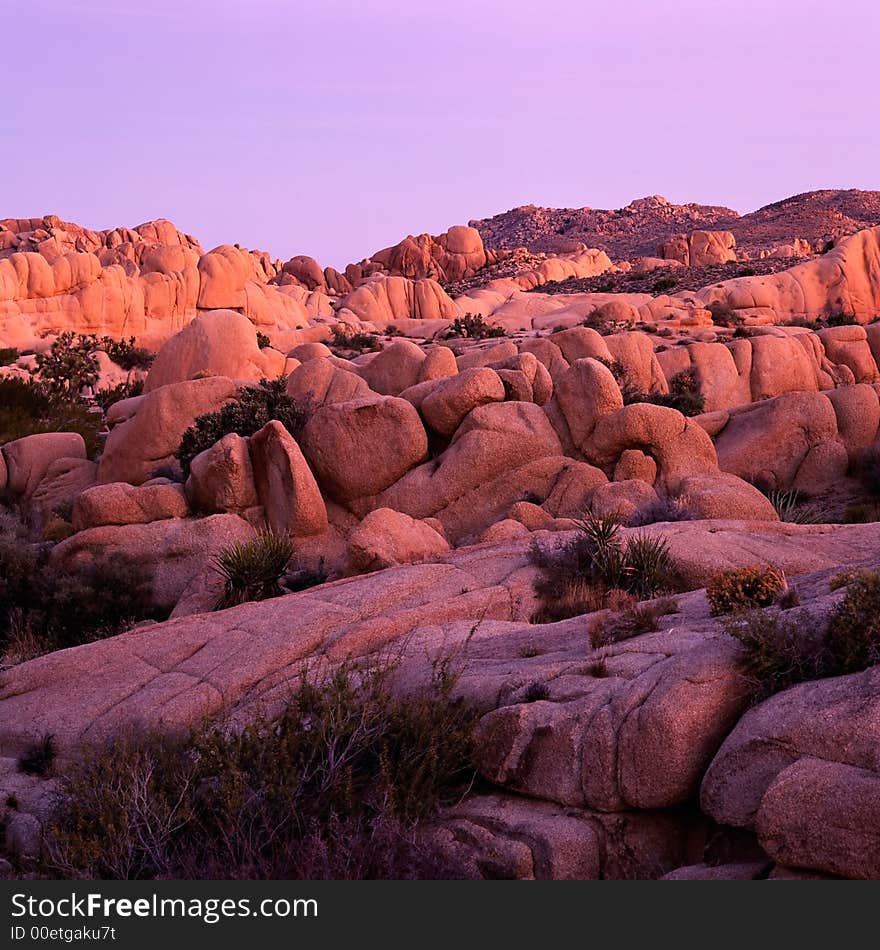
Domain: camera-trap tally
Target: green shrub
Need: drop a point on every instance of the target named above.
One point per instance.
(336, 787)
(663, 284)
(254, 407)
(26, 408)
(779, 653)
(69, 366)
(64, 608)
(724, 316)
(631, 620)
(472, 327)
(37, 759)
(354, 340)
(105, 398)
(853, 636)
(684, 391)
(841, 320)
(263, 342)
(744, 588)
(252, 570)
(8, 355)
(125, 353)
(579, 576)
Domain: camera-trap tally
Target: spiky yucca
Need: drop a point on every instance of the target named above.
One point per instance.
(252, 569)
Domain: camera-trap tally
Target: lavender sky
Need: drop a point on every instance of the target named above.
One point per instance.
(335, 127)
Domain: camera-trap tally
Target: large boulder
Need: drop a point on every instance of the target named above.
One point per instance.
(219, 343)
(387, 537)
(395, 368)
(453, 398)
(678, 445)
(802, 770)
(320, 382)
(222, 477)
(119, 503)
(767, 443)
(476, 477)
(362, 447)
(28, 459)
(171, 552)
(638, 736)
(724, 496)
(65, 478)
(584, 393)
(148, 439)
(285, 484)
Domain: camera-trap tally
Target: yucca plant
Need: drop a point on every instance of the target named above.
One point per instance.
(648, 565)
(790, 507)
(252, 570)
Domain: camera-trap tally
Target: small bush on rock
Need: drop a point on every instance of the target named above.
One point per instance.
(354, 340)
(579, 576)
(252, 570)
(337, 787)
(26, 408)
(37, 759)
(50, 609)
(472, 327)
(263, 342)
(744, 588)
(8, 355)
(779, 653)
(254, 407)
(632, 621)
(792, 507)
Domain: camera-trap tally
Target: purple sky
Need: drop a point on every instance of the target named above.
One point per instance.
(335, 127)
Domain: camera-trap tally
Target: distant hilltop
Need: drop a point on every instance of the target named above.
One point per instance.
(638, 229)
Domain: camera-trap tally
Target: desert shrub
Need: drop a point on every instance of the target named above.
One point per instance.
(303, 578)
(648, 566)
(336, 787)
(631, 621)
(744, 588)
(595, 321)
(776, 652)
(69, 366)
(793, 507)
(779, 653)
(26, 408)
(354, 340)
(105, 398)
(862, 513)
(579, 576)
(252, 570)
(724, 316)
(867, 469)
(8, 355)
(254, 407)
(841, 320)
(853, 635)
(847, 577)
(38, 757)
(126, 353)
(472, 327)
(663, 284)
(64, 608)
(684, 391)
(746, 272)
(263, 342)
(57, 529)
